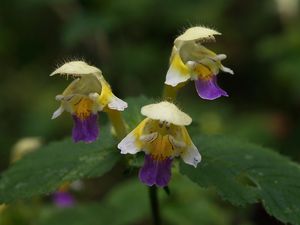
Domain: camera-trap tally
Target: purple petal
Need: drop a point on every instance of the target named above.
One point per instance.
(209, 89)
(63, 199)
(85, 129)
(156, 171)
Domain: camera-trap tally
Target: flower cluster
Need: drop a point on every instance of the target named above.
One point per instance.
(162, 135)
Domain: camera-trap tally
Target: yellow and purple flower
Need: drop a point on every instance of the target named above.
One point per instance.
(190, 60)
(88, 94)
(162, 136)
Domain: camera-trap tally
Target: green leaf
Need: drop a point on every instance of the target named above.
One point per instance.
(245, 173)
(187, 204)
(118, 208)
(46, 169)
(190, 205)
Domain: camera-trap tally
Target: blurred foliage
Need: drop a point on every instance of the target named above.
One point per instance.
(196, 203)
(131, 41)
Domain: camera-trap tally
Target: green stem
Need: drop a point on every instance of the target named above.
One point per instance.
(117, 122)
(154, 205)
(170, 93)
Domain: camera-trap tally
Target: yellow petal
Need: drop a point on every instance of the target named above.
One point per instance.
(77, 68)
(178, 71)
(166, 111)
(197, 34)
(132, 144)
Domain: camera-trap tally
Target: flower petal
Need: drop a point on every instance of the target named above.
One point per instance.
(57, 113)
(129, 144)
(166, 111)
(77, 68)
(209, 89)
(63, 199)
(198, 33)
(132, 144)
(226, 69)
(156, 171)
(178, 71)
(117, 104)
(191, 155)
(85, 130)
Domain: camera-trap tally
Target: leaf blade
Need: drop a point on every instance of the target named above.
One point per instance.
(274, 179)
(47, 168)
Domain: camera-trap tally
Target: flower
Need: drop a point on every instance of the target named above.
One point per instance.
(85, 96)
(162, 136)
(62, 198)
(191, 60)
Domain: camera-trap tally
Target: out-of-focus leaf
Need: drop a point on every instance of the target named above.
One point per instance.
(129, 204)
(189, 205)
(245, 173)
(125, 204)
(44, 170)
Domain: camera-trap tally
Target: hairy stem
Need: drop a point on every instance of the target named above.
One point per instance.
(117, 122)
(170, 93)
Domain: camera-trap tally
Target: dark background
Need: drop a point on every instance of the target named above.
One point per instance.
(130, 41)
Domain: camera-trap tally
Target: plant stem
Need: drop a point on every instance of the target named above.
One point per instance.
(154, 205)
(117, 122)
(170, 93)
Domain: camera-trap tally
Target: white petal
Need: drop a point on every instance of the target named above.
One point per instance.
(191, 155)
(174, 77)
(226, 69)
(76, 68)
(117, 104)
(166, 111)
(59, 97)
(58, 112)
(176, 143)
(199, 33)
(220, 57)
(128, 144)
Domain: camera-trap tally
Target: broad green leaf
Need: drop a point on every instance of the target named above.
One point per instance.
(46, 169)
(245, 173)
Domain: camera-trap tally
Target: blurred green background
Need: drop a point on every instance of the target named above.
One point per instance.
(130, 41)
